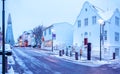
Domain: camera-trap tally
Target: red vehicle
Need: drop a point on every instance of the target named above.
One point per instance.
(26, 43)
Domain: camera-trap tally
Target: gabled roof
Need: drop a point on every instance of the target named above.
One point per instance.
(90, 5)
(87, 4)
(105, 15)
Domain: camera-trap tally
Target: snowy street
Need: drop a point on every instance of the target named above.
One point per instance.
(60, 37)
(36, 61)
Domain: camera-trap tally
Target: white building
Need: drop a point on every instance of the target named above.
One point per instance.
(87, 26)
(27, 36)
(62, 35)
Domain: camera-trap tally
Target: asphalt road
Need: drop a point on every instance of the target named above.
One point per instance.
(29, 62)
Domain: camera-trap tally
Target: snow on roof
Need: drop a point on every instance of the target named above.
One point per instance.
(106, 15)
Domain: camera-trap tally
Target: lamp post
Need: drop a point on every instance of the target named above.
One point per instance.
(101, 22)
(53, 36)
(52, 40)
(3, 40)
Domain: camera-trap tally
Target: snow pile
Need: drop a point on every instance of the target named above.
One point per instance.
(10, 63)
(83, 61)
(115, 63)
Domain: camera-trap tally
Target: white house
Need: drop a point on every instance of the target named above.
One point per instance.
(27, 36)
(87, 26)
(62, 34)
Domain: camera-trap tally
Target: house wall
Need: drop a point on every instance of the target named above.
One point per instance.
(93, 32)
(112, 29)
(64, 34)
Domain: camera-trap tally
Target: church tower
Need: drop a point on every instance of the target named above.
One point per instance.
(9, 32)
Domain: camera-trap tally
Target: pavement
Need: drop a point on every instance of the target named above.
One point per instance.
(10, 62)
(94, 62)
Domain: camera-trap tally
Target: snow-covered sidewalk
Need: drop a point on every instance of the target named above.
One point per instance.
(10, 63)
(91, 63)
(83, 61)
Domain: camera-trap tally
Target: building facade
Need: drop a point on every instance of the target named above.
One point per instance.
(61, 34)
(27, 39)
(87, 27)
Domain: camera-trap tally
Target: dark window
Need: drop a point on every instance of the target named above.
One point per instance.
(116, 36)
(79, 23)
(49, 30)
(85, 33)
(117, 51)
(105, 34)
(86, 9)
(117, 20)
(45, 33)
(93, 19)
(86, 21)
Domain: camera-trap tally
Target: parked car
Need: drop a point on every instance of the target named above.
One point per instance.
(9, 57)
(8, 50)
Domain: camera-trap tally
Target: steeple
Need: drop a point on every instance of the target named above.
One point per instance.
(9, 19)
(9, 31)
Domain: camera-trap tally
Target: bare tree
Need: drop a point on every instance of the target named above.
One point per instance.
(38, 32)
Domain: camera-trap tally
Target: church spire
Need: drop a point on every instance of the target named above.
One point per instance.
(9, 32)
(9, 19)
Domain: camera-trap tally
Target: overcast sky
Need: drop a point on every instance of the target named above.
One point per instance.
(28, 14)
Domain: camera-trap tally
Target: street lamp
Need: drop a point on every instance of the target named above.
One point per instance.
(3, 40)
(101, 22)
(53, 36)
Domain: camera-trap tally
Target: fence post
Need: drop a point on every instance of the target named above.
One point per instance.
(76, 55)
(63, 52)
(6, 64)
(60, 53)
(114, 55)
(70, 53)
(89, 51)
(66, 51)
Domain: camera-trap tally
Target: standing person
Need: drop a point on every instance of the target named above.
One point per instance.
(80, 53)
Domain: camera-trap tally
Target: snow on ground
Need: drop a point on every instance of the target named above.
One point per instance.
(10, 62)
(91, 63)
(21, 63)
(83, 61)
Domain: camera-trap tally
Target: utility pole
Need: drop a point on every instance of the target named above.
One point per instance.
(3, 38)
(100, 42)
(52, 41)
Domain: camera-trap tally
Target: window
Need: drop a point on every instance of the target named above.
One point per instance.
(105, 35)
(117, 51)
(89, 33)
(45, 33)
(116, 36)
(79, 23)
(117, 20)
(86, 9)
(49, 30)
(86, 21)
(93, 19)
(81, 35)
(85, 33)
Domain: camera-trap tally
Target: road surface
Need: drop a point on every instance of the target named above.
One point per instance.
(27, 61)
